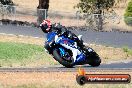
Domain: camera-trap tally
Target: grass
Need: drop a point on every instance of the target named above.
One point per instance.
(22, 54)
(14, 54)
(111, 54)
(38, 57)
(127, 50)
(18, 51)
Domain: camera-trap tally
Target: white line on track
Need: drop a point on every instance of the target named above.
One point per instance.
(17, 35)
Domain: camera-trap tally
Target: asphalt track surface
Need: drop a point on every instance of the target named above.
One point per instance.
(112, 67)
(115, 39)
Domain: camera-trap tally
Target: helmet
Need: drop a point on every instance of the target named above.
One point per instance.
(46, 26)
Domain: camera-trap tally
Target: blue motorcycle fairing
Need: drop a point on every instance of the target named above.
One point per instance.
(51, 36)
(80, 58)
(63, 40)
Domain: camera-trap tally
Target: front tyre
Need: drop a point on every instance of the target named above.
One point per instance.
(94, 59)
(62, 60)
(95, 63)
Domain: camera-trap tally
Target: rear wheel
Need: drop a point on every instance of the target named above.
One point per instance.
(65, 61)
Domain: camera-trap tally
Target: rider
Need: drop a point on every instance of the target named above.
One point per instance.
(47, 27)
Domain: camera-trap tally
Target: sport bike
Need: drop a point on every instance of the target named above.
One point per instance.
(64, 56)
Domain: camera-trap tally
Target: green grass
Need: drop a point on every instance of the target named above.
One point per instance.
(18, 51)
(22, 54)
(127, 50)
(128, 20)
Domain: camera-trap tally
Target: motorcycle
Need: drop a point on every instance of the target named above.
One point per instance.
(64, 56)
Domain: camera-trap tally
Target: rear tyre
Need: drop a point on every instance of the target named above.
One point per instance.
(61, 60)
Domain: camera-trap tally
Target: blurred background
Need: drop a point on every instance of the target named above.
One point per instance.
(65, 12)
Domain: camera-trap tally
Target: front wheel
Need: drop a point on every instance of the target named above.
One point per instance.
(95, 62)
(92, 57)
(62, 60)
